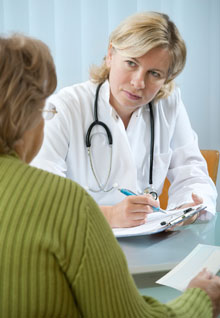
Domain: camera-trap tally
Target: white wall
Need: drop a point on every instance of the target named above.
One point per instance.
(77, 33)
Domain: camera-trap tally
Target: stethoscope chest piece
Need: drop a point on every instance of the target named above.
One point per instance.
(152, 192)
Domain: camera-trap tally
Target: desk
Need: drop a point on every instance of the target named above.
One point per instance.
(149, 257)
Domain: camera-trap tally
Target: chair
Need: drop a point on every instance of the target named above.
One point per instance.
(212, 159)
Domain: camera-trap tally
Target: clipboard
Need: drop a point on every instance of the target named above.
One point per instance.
(159, 222)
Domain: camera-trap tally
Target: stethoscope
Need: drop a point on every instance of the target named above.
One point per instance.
(97, 122)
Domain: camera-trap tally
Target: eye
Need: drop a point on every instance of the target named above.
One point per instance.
(130, 63)
(155, 74)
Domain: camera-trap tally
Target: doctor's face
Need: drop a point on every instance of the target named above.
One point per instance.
(134, 82)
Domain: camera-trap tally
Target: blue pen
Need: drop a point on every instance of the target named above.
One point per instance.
(129, 192)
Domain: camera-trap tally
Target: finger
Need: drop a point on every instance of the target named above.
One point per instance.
(190, 220)
(143, 208)
(174, 227)
(170, 229)
(216, 278)
(205, 273)
(152, 201)
(135, 223)
(143, 199)
(137, 215)
(197, 199)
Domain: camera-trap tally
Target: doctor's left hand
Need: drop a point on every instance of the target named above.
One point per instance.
(196, 200)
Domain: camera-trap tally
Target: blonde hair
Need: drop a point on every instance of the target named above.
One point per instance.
(140, 33)
(27, 78)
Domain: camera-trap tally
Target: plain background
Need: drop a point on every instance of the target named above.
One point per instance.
(77, 33)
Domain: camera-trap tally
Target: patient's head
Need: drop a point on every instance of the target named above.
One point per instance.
(27, 78)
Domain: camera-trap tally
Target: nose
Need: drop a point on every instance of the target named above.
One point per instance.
(138, 81)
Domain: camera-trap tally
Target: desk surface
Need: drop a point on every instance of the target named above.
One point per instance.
(150, 257)
(161, 252)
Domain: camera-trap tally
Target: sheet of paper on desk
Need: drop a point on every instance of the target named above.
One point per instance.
(153, 224)
(202, 256)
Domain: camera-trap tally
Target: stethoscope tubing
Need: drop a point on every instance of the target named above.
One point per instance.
(97, 122)
(151, 145)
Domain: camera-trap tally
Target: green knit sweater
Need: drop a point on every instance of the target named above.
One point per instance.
(59, 258)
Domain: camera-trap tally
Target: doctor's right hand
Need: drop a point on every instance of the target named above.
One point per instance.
(132, 211)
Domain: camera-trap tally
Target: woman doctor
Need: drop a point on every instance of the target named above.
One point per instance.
(127, 127)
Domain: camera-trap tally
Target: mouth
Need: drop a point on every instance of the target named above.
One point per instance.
(132, 96)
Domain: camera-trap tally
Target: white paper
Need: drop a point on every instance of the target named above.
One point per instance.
(153, 223)
(202, 256)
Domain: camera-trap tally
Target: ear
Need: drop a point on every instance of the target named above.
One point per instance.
(109, 56)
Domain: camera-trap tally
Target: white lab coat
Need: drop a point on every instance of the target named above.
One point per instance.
(176, 151)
